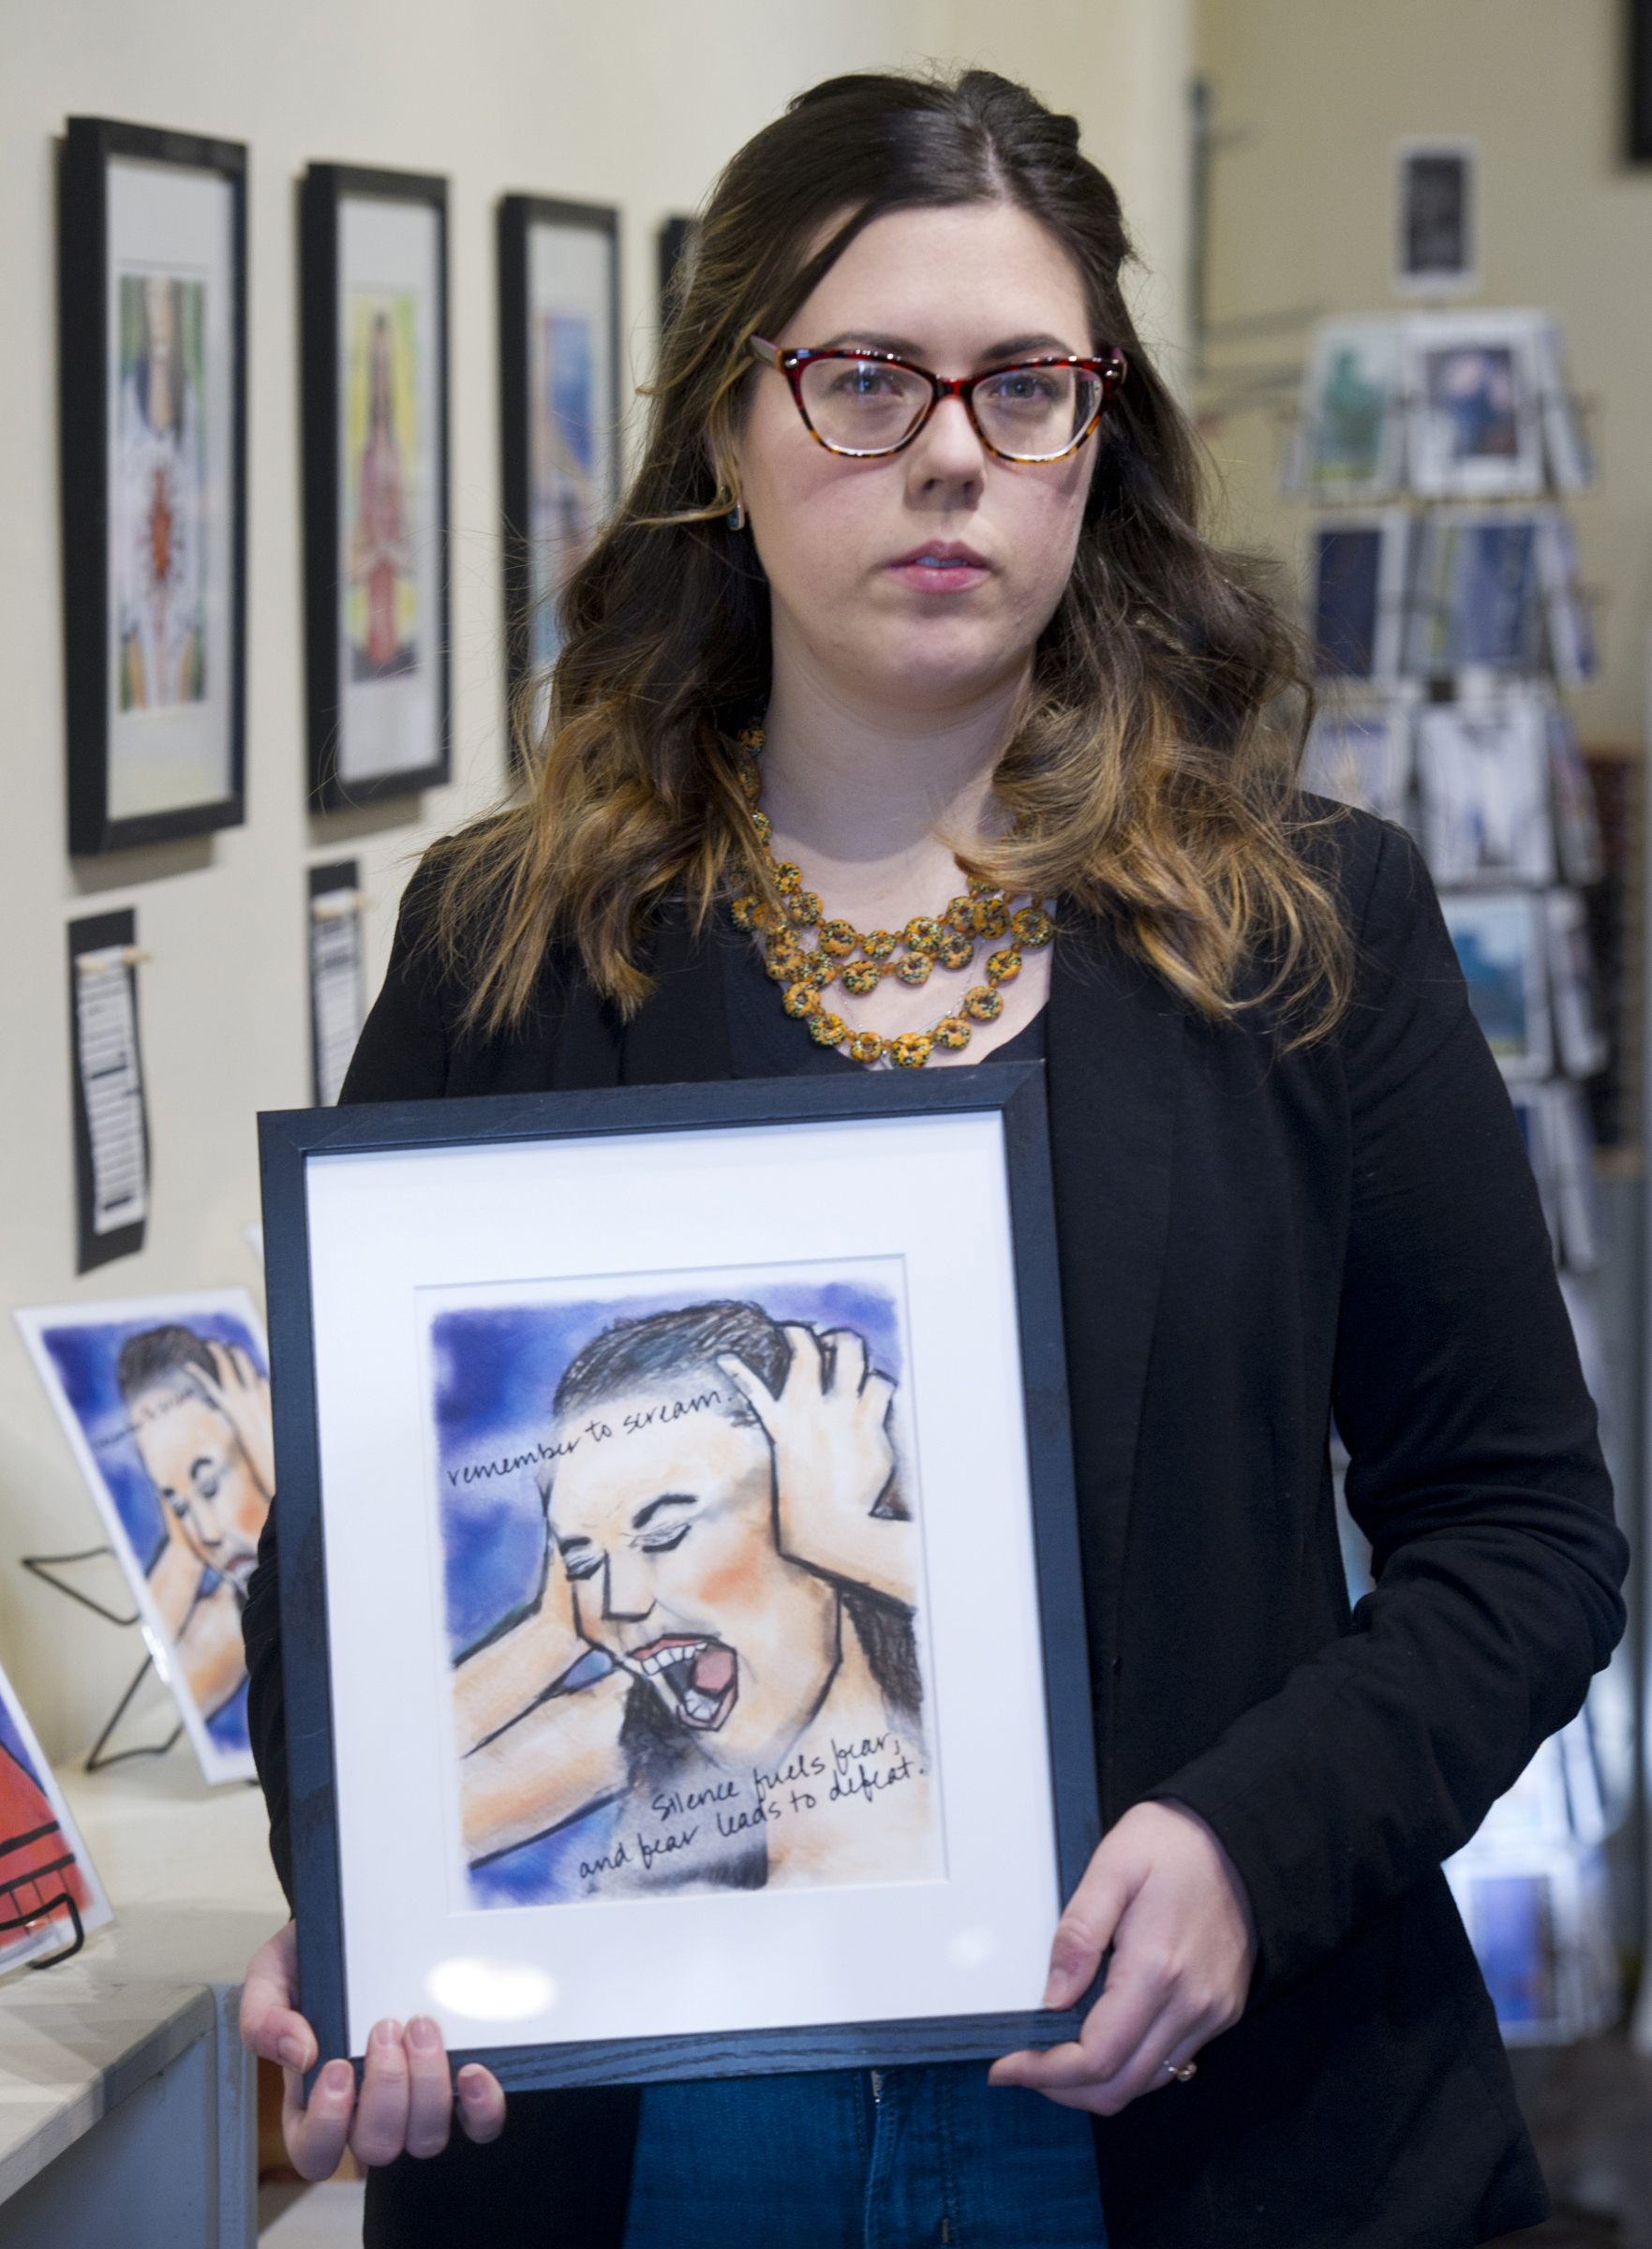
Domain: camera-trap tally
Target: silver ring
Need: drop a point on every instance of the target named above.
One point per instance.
(1182, 2074)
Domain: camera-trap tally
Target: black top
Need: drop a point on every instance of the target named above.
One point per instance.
(1252, 1237)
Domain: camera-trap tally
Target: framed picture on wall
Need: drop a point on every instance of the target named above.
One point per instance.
(1473, 385)
(559, 411)
(685, 1650)
(152, 336)
(1434, 250)
(376, 483)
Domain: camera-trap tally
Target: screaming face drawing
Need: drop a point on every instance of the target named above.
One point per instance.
(728, 1591)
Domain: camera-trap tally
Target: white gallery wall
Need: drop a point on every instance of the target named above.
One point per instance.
(637, 108)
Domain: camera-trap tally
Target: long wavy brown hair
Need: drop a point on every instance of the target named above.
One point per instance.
(1151, 765)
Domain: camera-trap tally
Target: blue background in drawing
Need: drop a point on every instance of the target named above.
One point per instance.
(497, 1367)
(86, 1358)
(12, 1739)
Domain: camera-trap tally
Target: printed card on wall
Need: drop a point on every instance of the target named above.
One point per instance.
(49, 1894)
(165, 1401)
(337, 988)
(112, 1129)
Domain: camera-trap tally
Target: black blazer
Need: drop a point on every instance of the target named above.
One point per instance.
(1252, 1240)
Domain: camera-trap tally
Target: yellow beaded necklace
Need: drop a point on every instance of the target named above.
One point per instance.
(841, 954)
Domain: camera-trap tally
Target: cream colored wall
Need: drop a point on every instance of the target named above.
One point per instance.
(637, 108)
(1315, 92)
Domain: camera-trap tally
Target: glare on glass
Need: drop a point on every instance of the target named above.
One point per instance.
(865, 403)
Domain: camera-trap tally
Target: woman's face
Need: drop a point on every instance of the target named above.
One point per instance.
(843, 542)
(662, 1509)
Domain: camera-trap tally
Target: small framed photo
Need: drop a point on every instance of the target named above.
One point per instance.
(559, 411)
(1485, 778)
(1480, 597)
(1473, 384)
(1362, 758)
(1499, 940)
(1352, 411)
(374, 248)
(152, 330)
(165, 1402)
(685, 1656)
(1435, 196)
(1358, 574)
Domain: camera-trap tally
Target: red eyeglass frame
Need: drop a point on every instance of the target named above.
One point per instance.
(1111, 370)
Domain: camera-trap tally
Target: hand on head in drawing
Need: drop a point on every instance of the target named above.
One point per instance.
(829, 1430)
(242, 1395)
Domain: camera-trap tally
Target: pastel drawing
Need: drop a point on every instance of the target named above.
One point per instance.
(714, 1680)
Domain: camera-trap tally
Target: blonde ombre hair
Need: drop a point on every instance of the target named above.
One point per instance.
(1149, 768)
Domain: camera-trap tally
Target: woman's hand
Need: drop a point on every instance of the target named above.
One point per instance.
(407, 2102)
(242, 1395)
(1165, 1895)
(833, 1460)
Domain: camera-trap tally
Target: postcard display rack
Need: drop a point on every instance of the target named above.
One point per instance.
(1448, 617)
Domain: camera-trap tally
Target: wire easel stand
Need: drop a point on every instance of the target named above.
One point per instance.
(42, 1567)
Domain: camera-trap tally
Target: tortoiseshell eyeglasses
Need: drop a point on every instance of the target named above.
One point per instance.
(868, 403)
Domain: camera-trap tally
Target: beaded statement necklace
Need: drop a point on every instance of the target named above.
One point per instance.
(842, 954)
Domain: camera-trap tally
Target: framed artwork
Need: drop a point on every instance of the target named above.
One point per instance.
(49, 1894)
(376, 483)
(1358, 576)
(1473, 383)
(1640, 81)
(1354, 424)
(1484, 776)
(111, 1110)
(559, 411)
(1480, 597)
(1435, 218)
(165, 1401)
(152, 342)
(1499, 940)
(685, 1653)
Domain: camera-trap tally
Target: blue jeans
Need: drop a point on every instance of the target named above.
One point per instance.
(844, 2160)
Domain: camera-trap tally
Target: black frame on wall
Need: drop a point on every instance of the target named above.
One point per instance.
(1640, 81)
(518, 215)
(89, 143)
(325, 186)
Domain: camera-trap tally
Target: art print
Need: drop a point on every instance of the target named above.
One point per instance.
(166, 1404)
(1479, 600)
(375, 438)
(380, 498)
(1473, 383)
(1362, 758)
(1484, 774)
(1435, 218)
(683, 1566)
(160, 536)
(560, 401)
(1358, 572)
(49, 1894)
(152, 358)
(1353, 410)
(1500, 946)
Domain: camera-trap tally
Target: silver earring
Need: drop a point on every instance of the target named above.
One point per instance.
(737, 516)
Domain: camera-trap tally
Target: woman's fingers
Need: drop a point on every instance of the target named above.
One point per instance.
(316, 2136)
(481, 2103)
(430, 2092)
(1086, 1929)
(270, 2026)
(380, 2132)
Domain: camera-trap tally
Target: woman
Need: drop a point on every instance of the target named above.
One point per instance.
(727, 1535)
(987, 636)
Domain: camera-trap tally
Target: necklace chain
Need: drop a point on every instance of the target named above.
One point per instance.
(860, 959)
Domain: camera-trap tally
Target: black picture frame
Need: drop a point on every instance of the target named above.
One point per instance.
(96, 821)
(288, 1142)
(518, 216)
(327, 189)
